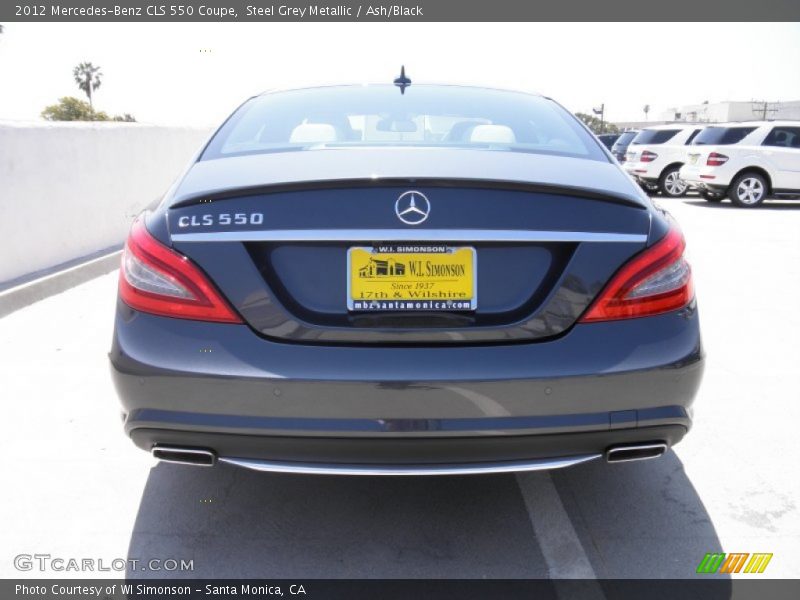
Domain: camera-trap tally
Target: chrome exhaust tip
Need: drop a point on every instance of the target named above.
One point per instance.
(185, 456)
(630, 452)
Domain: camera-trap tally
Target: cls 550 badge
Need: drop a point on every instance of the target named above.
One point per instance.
(222, 219)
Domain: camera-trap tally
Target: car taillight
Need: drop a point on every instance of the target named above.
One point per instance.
(715, 159)
(648, 156)
(155, 279)
(655, 281)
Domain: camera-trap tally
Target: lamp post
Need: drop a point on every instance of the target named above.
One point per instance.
(600, 111)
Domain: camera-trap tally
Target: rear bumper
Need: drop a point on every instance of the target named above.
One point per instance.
(643, 172)
(222, 387)
(417, 454)
(704, 178)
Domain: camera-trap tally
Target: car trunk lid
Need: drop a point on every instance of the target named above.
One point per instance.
(287, 255)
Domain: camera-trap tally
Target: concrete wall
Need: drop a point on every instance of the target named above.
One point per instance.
(69, 190)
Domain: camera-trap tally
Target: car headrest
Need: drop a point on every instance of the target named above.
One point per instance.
(313, 133)
(460, 131)
(492, 134)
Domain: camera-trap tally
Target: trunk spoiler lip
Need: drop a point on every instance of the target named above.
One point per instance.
(476, 183)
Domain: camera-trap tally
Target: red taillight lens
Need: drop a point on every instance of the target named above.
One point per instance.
(715, 159)
(155, 279)
(648, 156)
(655, 281)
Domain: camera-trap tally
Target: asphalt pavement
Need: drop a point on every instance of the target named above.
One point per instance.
(75, 487)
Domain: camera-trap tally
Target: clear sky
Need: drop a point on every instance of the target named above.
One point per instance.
(196, 73)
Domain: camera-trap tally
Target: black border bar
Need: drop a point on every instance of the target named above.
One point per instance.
(397, 10)
(710, 587)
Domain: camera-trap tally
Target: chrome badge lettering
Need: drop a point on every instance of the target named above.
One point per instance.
(224, 219)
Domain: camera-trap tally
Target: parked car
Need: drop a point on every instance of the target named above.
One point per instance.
(747, 162)
(352, 280)
(656, 155)
(608, 139)
(620, 146)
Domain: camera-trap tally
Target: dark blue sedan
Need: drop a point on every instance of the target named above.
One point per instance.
(405, 280)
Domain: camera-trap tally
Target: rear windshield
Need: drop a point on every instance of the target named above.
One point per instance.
(654, 136)
(722, 135)
(625, 138)
(424, 116)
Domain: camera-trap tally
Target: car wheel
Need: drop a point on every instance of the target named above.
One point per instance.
(748, 190)
(670, 184)
(712, 197)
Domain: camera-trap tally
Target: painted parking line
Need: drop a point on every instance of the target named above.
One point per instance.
(560, 546)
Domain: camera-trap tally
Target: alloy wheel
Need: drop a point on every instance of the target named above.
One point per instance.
(750, 190)
(673, 184)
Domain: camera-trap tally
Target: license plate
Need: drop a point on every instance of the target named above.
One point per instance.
(412, 277)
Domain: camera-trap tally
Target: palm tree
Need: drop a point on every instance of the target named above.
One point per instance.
(87, 76)
(646, 110)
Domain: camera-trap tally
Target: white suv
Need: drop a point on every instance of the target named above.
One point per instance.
(747, 161)
(657, 153)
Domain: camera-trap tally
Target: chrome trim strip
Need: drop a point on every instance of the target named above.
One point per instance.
(415, 470)
(611, 451)
(407, 235)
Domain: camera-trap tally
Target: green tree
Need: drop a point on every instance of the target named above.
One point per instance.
(593, 123)
(72, 109)
(88, 77)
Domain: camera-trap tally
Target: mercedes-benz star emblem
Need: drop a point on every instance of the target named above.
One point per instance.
(412, 208)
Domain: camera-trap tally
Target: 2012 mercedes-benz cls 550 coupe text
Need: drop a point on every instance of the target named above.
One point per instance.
(405, 280)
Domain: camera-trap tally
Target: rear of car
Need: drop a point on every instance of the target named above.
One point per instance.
(620, 147)
(656, 154)
(608, 139)
(449, 280)
(747, 162)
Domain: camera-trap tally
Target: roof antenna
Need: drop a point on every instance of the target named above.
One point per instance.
(402, 82)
